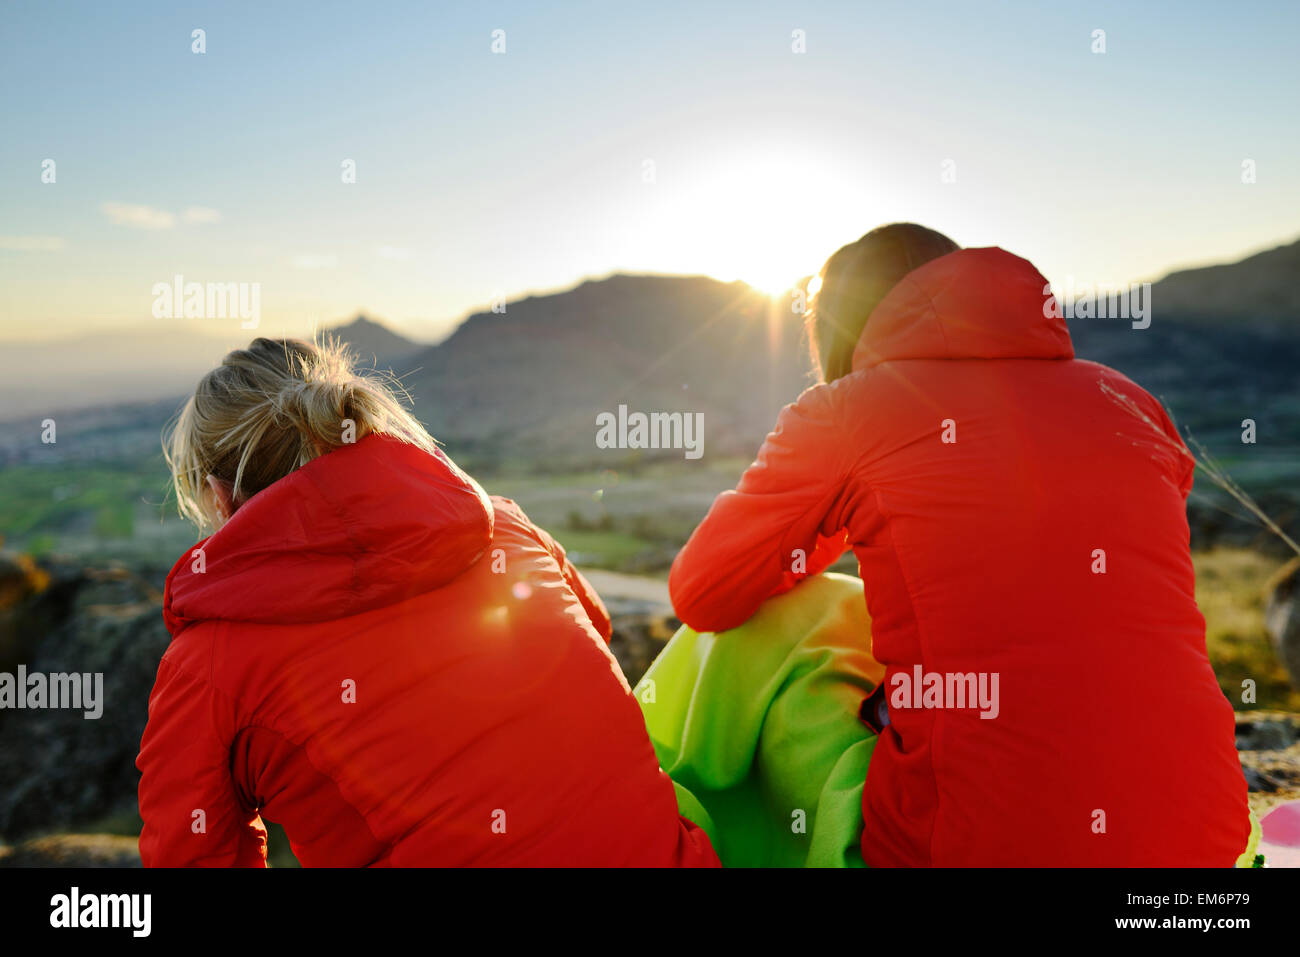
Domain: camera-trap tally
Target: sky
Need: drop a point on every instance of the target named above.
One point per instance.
(653, 138)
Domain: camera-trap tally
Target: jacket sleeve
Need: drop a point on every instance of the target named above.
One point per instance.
(191, 811)
(1187, 462)
(778, 527)
(1139, 402)
(591, 602)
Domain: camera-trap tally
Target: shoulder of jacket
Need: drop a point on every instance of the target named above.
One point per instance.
(193, 651)
(821, 398)
(508, 507)
(830, 403)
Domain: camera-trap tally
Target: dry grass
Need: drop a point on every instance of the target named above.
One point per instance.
(1230, 589)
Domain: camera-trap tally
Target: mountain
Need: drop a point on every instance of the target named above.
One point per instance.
(531, 381)
(539, 373)
(526, 385)
(520, 391)
(1223, 346)
(1265, 286)
(144, 363)
(374, 342)
(522, 387)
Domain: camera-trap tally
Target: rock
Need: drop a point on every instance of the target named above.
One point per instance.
(637, 641)
(61, 770)
(1282, 618)
(23, 585)
(73, 850)
(1257, 780)
(1268, 743)
(1258, 733)
(642, 616)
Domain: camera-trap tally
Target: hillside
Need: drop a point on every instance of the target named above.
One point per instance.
(374, 343)
(1223, 347)
(1265, 286)
(533, 379)
(537, 375)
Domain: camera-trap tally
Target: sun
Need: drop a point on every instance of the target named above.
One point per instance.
(768, 215)
(762, 251)
(768, 221)
(760, 246)
(772, 284)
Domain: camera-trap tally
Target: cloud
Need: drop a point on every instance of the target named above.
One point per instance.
(138, 217)
(201, 215)
(314, 261)
(32, 244)
(397, 254)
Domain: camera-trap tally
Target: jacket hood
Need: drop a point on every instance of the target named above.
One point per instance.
(970, 304)
(361, 527)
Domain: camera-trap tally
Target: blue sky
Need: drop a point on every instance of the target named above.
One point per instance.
(481, 174)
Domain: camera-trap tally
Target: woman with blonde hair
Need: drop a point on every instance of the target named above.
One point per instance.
(373, 653)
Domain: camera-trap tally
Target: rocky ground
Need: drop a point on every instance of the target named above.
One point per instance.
(66, 778)
(1269, 745)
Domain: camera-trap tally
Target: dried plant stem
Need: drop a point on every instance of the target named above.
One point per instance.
(1206, 463)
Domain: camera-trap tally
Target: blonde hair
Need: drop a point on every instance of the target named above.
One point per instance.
(272, 408)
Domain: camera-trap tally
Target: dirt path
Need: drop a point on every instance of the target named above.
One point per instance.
(617, 586)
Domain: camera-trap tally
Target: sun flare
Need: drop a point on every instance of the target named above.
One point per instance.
(771, 221)
(772, 284)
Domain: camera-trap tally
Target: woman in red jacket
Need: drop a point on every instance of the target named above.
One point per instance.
(374, 654)
(1019, 522)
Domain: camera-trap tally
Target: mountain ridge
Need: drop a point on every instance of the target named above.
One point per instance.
(1261, 287)
(543, 368)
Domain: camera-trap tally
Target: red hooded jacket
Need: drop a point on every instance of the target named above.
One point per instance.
(400, 672)
(1016, 513)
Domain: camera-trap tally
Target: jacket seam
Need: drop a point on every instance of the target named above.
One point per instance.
(934, 311)
(921, 641)
(212, 726)
(236, 703)
(388, 846)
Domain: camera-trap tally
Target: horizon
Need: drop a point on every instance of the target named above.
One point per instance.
(594, 143)
(418, 332)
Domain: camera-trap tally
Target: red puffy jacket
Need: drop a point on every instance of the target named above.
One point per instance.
(1017, 513)
(400, 672)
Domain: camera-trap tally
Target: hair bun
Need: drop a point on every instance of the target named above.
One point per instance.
(273, 407)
